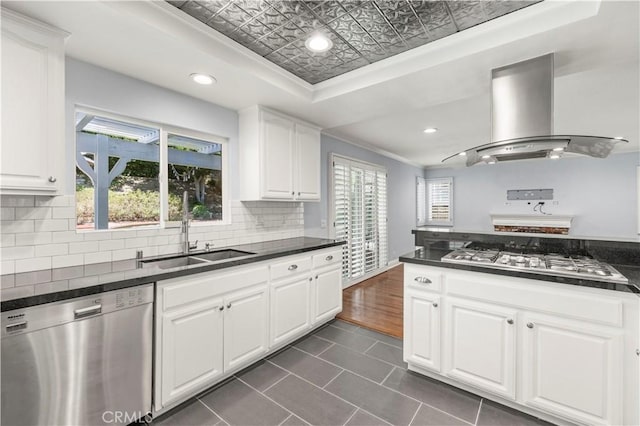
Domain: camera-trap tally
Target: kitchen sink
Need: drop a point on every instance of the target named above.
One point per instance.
(214, 256)
(172, 262)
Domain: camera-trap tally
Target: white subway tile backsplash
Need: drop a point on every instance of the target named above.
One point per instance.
(7, 213)
(33, 238)
(16, 292)
(7, 267)
(64, 213)
(68, 260)
(26, 213)
(43, 229)
(66, 237)
(51, 225)
(83, 282)
(52, 250)
(13, 253)
(17, 201)
(33, 264)
(51, 287)
(84, 247)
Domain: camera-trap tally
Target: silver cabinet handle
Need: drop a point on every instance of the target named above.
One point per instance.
(85, 312)
(530, 324)
(228, 305)
(293, 193)
(298, 193)
(52, 179)
(221, 308)
(435, 305)
(293, 267)
(422, 280)
(310, 279)
(316, 277)
(509, 321)
(17, 326)
(328, 258)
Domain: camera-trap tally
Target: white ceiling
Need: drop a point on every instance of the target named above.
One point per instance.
(386, 105)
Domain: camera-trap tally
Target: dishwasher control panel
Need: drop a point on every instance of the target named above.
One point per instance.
(82, 308)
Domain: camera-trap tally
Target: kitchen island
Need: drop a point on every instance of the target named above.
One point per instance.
(562, 348)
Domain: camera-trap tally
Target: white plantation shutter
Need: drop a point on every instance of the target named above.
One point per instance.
(421, 201)
(439, 201)
(360, 215)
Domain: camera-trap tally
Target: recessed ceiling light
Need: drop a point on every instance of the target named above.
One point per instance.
(558, 149)
(463, 153)
(485, 157)
(318, 42)
(491, 162)
(554, 156)
(619, 137)
(430, 130)
(204, 79)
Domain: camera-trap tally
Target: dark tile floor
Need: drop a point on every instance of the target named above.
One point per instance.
(341, 374)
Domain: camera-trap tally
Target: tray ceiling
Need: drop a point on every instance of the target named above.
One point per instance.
(362, 32)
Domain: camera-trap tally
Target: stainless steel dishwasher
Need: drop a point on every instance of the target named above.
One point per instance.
(82, 361)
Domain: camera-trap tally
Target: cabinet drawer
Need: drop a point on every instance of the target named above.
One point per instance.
(290, 267)
(181, 291)
(422, 278)
(327, 258)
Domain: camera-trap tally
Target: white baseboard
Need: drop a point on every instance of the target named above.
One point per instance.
(392, 263)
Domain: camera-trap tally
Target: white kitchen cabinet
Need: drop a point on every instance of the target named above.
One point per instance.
(327, 294)
(279, 157)
(480, 346)
(33, 146)
(191, 348)
(564, 353)
(245, 326)
(290, 309)
(422, 311)
(572, 370)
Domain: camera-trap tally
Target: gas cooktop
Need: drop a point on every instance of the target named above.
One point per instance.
(549, 264)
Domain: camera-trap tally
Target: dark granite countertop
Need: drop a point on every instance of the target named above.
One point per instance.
(110, 276)
(431, 256)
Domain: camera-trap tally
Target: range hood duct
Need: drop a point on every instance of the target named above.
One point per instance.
(522, 119)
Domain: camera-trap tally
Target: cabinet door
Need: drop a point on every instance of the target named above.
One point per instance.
(422, 329)
(307, 165)
(245, 326)
(277, 157)
(572, 369)
(32, 107)
(191, 349)
(480, 348)
(327, 295)
(290, 313)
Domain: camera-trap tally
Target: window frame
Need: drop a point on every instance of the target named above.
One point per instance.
(165, 130)
(428, 202)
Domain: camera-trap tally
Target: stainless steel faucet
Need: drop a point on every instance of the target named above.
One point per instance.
(187, 246)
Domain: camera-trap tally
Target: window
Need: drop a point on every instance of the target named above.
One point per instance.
(434, 201)
(118, 178)
(359, 209)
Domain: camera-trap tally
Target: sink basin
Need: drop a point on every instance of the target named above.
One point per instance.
(213, 256)
(172, 262)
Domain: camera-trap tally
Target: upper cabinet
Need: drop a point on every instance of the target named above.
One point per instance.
(32, 152)
(279, 157)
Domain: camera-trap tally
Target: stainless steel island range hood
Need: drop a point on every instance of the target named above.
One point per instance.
(522, 119)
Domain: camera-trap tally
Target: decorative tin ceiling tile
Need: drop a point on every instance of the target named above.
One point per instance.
(362, 31)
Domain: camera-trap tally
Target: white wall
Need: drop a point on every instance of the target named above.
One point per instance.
(39, 232)
(601, 194)
(401, 198)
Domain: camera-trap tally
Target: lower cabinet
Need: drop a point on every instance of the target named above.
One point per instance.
(564, 352)
(422, 329)
(190, 361)
(481, 345)
(290, 309)
(212, 324)
(202, 342)
(572, 370)
(327, 294)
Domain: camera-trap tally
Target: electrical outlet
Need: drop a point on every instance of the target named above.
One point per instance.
(323, 223)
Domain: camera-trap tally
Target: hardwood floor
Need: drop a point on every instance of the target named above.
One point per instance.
(376, 303)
